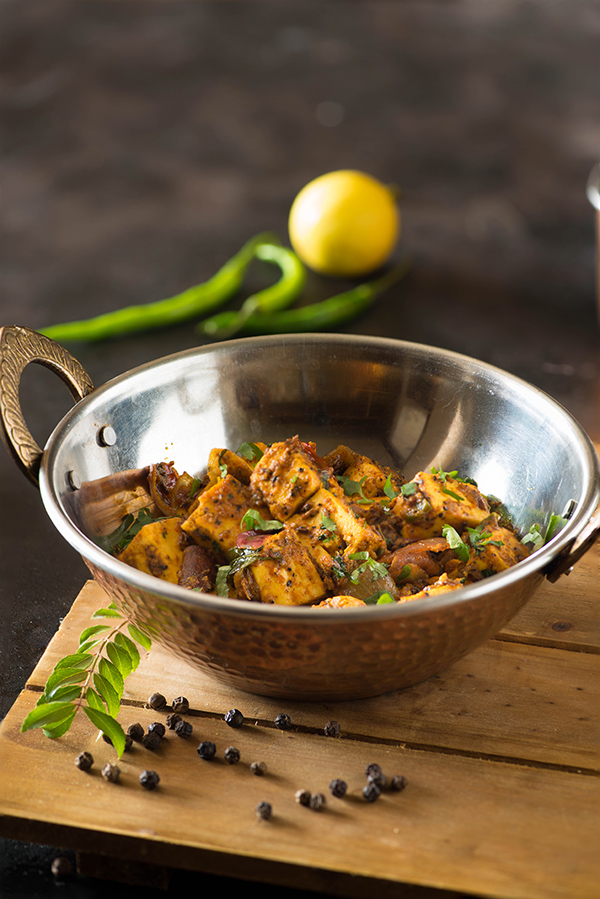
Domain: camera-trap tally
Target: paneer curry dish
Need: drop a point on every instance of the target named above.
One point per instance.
(280, 524)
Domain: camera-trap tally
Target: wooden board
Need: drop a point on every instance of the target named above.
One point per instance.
(500, 752)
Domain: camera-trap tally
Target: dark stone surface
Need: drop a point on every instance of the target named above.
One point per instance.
(144, 142)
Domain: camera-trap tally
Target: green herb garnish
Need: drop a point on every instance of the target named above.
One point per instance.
(91, 679)
(389, 490)
(534, 536)
(478, 538)
(456, 543)
(379, 598)
(249, 451)
(122, 536)
(328, 523)
(409, 489)
(353, 488)
(377, 569)
(253, 520)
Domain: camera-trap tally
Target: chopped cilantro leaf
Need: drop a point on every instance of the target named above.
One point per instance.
(249, 451)
(254, 520)
(456, 543)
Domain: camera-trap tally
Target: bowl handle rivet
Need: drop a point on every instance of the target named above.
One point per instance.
(106, 436)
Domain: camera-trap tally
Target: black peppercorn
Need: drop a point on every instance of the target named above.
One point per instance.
(183, 728)
(338, 787)
(258, 768)
(283, 721)
(398, 782)
(371, 792)
(151, 741)
(157, 701)
(172, 720)
(379, 778)
(111, 773)
(180, 705)
(317, 801)
(157, 728)
(61, 867)
(136, 732)
(372, 770)
(232, 755)
(149, 779)
(84, 761)
(206, 750)
(332, 729)
(234, 718)
(302, 797)
(264, 810)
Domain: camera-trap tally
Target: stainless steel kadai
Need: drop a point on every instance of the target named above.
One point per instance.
(406, 405)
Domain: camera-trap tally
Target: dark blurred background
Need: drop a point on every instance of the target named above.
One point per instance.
(144, 141)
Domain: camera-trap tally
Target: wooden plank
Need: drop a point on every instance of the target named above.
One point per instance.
(566, 613)
(495, 829)
(503, 700)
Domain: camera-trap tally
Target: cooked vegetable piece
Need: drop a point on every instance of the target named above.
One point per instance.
(354, 468)
(222, 462)
(285, 477)
(157, 549)
(438, 501)
(218, 513)
(198, 569)
(442, 585)
(286, 574)
(340, 602)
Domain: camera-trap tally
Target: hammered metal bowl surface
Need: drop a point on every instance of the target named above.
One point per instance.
(403, 404)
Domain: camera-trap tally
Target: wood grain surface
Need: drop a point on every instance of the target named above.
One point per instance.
(500, 753)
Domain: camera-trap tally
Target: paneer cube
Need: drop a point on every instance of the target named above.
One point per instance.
(222, 462)
(286, 574)
(493, 549)
(437, 501)
(341, 529)
(217, 515)
(157, 549)
(354, 467)
(285, 477)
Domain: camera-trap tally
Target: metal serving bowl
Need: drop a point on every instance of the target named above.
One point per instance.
(405, 405)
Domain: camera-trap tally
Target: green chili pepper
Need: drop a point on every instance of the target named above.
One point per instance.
(272, 299)
(196, 300)
(331, 313)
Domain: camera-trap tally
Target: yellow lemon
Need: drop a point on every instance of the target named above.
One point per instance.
(344, 223)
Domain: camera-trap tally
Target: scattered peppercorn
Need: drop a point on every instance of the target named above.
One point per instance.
(232, 755)
(84, 761)
(371, 792)
(157, 728)
(151, 741)
(283, 721)
(61, 867)
(173, 720)
(111, 773)
(338, 787)
(332, 729)
(317, 801)
(206, 750)
(149, 779)
(157, 701)
(107, 739)
(180, 705)
(264, 810)
(183, 728)
(398, 782)
(128, 744)
(234, 718)
(372, 770)
(379, 778)
(136, 732)
(302, 797)
(258, 768)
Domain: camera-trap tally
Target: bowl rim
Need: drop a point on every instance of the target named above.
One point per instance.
(533, 564)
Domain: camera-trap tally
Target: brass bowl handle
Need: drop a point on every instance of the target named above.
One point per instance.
(18, 347)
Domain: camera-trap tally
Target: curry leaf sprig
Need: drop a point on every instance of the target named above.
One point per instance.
(91, 679)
